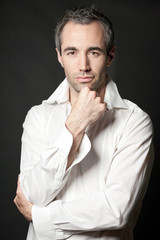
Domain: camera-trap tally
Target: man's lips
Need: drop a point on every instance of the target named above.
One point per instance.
(84, 79)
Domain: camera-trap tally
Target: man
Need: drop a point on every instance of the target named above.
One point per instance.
(86, 153)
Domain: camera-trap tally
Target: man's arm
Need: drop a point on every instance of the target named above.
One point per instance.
(86, 110)
(43, 167)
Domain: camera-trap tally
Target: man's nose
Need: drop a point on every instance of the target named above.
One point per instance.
(84, 63)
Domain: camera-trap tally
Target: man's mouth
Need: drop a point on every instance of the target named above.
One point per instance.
(86, 79)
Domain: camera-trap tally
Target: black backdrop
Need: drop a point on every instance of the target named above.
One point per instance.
(29, 73)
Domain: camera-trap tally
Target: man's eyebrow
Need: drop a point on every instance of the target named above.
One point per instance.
(69, 49)
(96, 49)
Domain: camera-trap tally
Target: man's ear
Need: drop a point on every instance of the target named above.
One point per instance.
(111, 56)
(59, 57)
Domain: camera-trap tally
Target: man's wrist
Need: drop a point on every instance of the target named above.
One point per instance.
(75, 128)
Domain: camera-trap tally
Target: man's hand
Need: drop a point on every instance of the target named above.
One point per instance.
(85, 111)
(23, 205)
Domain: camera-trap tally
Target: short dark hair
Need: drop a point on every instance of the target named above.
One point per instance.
(85, 15)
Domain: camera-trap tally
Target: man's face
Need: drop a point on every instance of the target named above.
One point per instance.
(83, 55)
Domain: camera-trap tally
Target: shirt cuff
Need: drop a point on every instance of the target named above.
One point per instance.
(65, 142)
(42, 223)
(83, 150)
(44, 227)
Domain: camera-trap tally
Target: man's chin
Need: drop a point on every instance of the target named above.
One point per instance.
(79, 87)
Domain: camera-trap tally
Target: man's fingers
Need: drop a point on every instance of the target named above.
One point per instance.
(16, 202)
(23, 205)
(18, 194)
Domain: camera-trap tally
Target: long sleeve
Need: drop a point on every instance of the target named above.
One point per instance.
(43, 166)
(113, 206)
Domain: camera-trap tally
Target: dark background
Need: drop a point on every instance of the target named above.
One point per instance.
(29, 73)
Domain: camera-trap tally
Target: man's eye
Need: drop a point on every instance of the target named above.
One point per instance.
(71, 53)
(95, 54)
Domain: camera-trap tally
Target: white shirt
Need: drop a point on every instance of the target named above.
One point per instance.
(100, 195)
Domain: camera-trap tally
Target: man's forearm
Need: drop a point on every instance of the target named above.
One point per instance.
(77, 139)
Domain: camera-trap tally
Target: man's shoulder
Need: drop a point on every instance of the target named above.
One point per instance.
(138, 117)
(136, 110)
(42, 109)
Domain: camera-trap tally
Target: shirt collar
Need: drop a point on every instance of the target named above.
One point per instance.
(112, 96)
(61, 94)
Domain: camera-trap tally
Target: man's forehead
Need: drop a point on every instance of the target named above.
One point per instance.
(75, 34)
